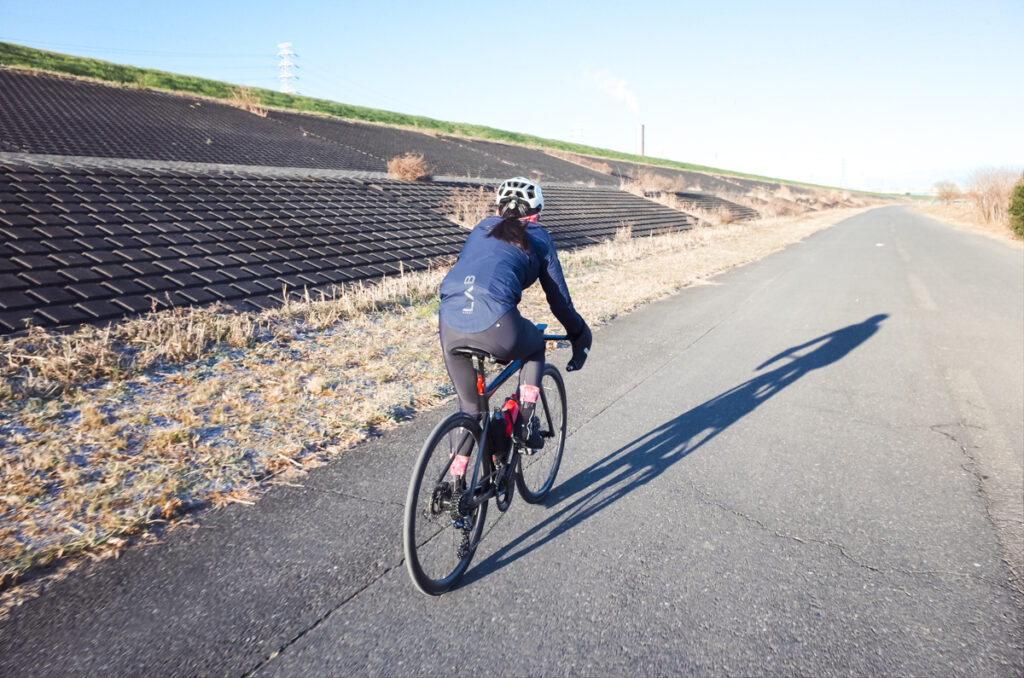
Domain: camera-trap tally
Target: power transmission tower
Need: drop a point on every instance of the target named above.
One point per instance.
(285, 66)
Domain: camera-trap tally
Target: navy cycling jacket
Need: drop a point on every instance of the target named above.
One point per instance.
(490, 275)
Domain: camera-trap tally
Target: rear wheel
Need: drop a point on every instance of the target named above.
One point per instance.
(538, 468)
(440, 538)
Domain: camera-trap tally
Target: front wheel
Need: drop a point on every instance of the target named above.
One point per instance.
(538, 468)
(439, 540)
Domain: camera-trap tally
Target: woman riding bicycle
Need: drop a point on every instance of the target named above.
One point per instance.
(504, 255)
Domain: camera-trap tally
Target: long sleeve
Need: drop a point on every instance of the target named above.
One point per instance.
(552, 281)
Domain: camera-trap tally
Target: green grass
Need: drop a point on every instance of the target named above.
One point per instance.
(147, 78)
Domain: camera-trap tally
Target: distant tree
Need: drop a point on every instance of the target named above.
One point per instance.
(989, 193)
(946, 191)
(1016, 208)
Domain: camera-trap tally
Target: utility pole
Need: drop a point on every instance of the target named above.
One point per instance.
(285, 66)
(640, 139)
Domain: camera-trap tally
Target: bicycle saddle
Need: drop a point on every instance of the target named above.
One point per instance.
(471, 352)
(484, 355)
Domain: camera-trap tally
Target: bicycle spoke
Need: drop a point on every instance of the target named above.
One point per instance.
(538, 468)
(437, 548)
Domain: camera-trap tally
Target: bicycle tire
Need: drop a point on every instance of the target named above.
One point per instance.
(536, 471)
(436, 550)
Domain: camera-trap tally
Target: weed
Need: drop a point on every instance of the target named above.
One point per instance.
(468, 206)
(647, 181)
(90, 416)
(589, 163)
(247, 100)
(409, 167)
(715, 216)
(947, 192)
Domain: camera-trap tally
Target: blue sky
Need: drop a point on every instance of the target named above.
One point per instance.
(869, 95)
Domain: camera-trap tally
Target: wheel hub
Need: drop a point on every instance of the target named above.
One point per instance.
(440, 498)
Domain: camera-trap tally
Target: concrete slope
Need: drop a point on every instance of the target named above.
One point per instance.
(781, 472)
(92, 240)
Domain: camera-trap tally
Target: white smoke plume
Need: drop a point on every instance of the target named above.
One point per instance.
(613, 86)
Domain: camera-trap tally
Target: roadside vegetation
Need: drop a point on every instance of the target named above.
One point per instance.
(146, 78)
(1016, 209)
(990, 203)
(467, 207)
(780, 202)
(110, 433)
(409, 167)
(245, 99)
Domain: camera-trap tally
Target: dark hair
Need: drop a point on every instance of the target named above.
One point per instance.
(510, 229)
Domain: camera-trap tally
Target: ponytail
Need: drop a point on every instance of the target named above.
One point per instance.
(512, 231)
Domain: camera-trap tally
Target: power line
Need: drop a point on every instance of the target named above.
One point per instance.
(350, 89)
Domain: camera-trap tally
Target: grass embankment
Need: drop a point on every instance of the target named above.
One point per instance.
(106, 433)
(147, 78)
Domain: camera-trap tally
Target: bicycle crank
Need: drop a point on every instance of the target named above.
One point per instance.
(504, 488)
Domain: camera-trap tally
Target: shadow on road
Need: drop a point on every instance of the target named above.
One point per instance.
(644, 459)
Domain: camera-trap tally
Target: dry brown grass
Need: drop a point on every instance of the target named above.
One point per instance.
(409, 167)
(582, 160)
(468, 206)
(247, 100)
(780, 202)
(771, 204)
(716, 216)
(963, 215)
(43, 363)
(947, 192)
(982, 207)
(647, 181)
(103, 461)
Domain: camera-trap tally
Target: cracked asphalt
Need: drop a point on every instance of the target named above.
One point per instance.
(810, 465)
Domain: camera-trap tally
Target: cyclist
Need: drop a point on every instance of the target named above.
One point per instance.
(480, 296)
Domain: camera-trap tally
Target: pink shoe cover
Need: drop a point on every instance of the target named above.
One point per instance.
(458, 467)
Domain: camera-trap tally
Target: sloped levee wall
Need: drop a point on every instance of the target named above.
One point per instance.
(93, 240)
(710, 203)
(48, 114)
(115, 201)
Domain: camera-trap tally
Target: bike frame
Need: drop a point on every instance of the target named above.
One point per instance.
(484, 394)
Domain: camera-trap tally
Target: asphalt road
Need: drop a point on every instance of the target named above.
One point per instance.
(811, 465)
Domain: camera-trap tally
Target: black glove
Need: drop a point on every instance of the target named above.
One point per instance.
(580, 349)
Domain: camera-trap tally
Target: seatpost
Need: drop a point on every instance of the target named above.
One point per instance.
(478, 365)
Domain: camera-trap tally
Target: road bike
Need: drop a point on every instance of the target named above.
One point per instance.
(444, 515)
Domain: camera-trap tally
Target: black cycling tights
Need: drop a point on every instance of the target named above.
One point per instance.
(511, 338)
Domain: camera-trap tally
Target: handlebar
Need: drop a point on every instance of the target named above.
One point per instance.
(551, 337)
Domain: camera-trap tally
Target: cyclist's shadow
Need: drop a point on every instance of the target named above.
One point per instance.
(643, 459)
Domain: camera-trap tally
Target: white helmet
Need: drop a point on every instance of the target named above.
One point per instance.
(524, 192)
